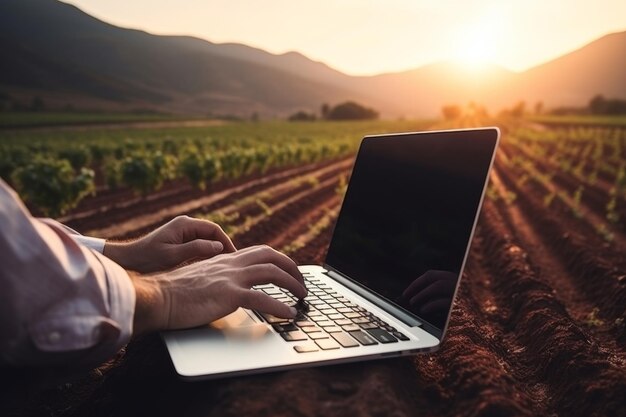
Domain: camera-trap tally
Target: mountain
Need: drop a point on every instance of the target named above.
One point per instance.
(572, 79)
(55, 51)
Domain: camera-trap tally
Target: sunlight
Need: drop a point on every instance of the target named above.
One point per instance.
(476, 47)
(477, 41)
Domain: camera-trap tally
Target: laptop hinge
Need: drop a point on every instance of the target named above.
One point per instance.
(369, 296)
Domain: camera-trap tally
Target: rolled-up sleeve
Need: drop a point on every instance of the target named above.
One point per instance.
(60, 302)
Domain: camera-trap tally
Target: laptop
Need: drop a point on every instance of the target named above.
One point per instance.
(391, 271)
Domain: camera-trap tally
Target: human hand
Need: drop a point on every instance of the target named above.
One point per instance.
(431, 293)
(205, 291)
(183, 239)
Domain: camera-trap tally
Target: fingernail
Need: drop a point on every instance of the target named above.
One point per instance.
(218, 246)
(294, 312)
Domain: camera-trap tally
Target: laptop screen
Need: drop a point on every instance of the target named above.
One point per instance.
(407, 216)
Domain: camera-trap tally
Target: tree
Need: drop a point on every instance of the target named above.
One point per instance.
(301, 116)
(519, 109)
(601, 105)
(351, 111)
(324, 110)
(451, 111)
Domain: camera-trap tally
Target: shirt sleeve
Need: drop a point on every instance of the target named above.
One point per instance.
(94, 243)
(62, 303)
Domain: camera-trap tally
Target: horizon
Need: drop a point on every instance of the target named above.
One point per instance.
(479, 37)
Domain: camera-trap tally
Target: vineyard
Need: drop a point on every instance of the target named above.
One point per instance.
(539, 322)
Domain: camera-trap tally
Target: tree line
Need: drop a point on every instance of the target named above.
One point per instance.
(348, 110)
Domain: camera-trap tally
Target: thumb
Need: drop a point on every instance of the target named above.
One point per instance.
(198, 249)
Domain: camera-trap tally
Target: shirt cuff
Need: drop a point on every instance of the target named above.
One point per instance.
(94, 243)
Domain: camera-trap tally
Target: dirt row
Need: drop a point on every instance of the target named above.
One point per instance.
(147, 215)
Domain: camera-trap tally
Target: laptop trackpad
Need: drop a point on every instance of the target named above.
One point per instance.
(240, 324)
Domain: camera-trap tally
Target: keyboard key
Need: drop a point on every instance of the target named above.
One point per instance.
(285, 327)
(318, 335)
(302, 305)
(294, 336)
(311, 329)
(400, 335)
(335, 316)
(260, 286)
(336, 305)
(361, 320)
(332, 329)
(350, 327)
(326, 323)
(353, 315)
(304, 323)
(316, 302)
(382, 336)
(363, 338)
(272, 291)
(273, 319)
(344, 339)
(328, 311)
(343, 322)
(327, 344)
(306, 348)
(314, 313)
(327, 297)
(368, 326)
(345, 310)
(319, 318)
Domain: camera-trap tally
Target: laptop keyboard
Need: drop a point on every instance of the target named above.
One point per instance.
(326, 320)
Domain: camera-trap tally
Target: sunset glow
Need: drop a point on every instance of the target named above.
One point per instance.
(364, 38)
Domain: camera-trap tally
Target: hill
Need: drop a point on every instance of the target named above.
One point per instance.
(55, 51)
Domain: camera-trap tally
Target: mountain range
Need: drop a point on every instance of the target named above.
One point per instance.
(55, 51)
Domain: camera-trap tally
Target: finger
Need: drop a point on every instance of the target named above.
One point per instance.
(271, 274)
(426, 279)
(257, 300)
(263, 254)
(436, 289)
(436, 306)
(196, 250)
(203, 229)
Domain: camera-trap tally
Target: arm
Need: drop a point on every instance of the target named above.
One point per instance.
(182, 240)
(205, 291)
(61, 302)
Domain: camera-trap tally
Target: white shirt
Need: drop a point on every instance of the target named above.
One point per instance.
(62, 302)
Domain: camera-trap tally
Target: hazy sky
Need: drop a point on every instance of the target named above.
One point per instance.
(373, 36)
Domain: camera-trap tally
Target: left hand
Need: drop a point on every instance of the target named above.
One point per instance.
(182, 240)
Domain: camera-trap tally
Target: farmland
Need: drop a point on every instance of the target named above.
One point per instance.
(538, 327)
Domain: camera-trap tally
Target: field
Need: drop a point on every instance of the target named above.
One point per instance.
(538, 327)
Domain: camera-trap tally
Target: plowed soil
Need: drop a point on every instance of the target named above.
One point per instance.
(538, 326)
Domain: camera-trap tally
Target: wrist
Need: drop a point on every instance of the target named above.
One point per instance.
(119, 253)
(150, 310)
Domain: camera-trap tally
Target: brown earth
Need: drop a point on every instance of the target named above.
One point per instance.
(538, 326)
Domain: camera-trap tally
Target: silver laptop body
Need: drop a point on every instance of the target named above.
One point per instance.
(391, 272)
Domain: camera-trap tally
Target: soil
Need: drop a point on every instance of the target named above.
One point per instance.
(537, 329)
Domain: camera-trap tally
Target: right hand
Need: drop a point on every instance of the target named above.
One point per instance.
(205, 291)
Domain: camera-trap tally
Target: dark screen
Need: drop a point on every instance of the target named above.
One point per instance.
(407, 216)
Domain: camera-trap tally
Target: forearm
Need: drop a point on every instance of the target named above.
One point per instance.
(150, 307)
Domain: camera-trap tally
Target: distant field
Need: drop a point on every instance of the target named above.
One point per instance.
(40, 119)
(581, 120)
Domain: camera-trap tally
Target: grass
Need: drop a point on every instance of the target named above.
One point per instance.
(228, 133)
(581, 120)
(43, 119)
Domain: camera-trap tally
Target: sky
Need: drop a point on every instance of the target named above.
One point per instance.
(366, 37)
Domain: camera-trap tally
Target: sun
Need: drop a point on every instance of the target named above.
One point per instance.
(477, 47)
